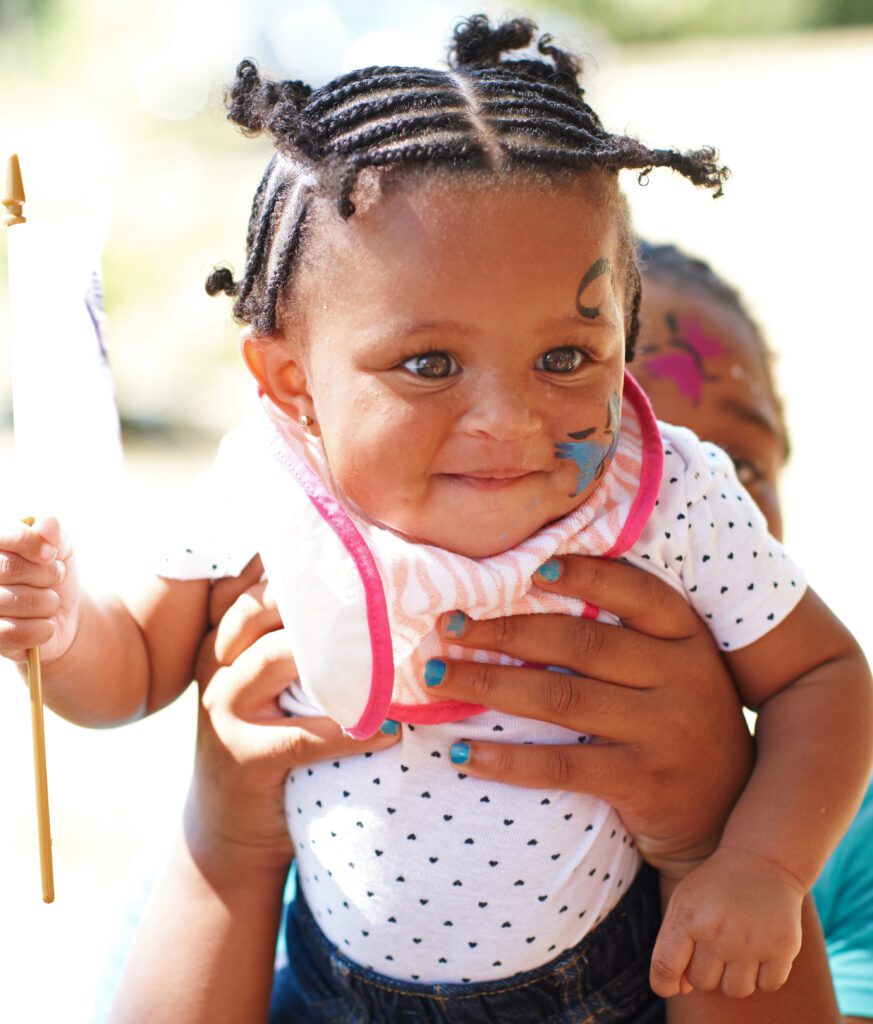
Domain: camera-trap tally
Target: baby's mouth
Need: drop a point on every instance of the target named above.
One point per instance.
(490, 479)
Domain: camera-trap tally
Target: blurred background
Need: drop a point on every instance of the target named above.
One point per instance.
(115, 110)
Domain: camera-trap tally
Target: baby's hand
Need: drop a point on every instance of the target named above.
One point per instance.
(733, 923)
(39, 590)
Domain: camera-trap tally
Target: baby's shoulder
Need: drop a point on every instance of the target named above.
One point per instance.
(692, 468)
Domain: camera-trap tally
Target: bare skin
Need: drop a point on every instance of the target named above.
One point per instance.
(506, 400)
(660, 787)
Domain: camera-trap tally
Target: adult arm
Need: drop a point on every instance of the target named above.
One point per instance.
(205, 946)
(673, 752)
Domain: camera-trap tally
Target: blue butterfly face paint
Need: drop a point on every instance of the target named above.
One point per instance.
(592, 456)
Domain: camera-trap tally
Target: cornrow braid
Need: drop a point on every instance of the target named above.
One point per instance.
(486, 113)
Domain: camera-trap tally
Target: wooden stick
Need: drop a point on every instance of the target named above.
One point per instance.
(34, 681)
(13, 200)
(40, 774)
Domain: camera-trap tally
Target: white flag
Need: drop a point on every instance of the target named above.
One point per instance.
(67, 434)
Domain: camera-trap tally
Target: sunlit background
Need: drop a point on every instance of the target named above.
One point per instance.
(115, 110)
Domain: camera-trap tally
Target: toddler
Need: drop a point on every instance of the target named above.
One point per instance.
(440, 296)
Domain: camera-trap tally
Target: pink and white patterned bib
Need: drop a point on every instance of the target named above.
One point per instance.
(360, 602)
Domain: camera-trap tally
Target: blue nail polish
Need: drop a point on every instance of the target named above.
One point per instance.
(550, 570)
(434, 671)
(456, 622)
(390, 727)
(460, 752)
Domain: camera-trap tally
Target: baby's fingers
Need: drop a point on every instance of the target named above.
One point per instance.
(673, 951)
(18, 635)
(740, 979)
(773, 974)
(705, 970)
(28, 602)
(17, 570)
(28, 543)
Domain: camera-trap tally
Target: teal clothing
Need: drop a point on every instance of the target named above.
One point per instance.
(844, 897)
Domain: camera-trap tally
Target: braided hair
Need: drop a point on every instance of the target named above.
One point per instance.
(487, 113)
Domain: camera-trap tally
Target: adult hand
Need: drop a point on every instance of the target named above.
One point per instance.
(673, 750)
(246, 745)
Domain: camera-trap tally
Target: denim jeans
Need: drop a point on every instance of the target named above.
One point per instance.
(602, 980)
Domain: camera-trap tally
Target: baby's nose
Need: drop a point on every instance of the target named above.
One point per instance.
(502, 412)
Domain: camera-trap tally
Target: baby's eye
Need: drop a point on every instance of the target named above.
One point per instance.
(561, 360)
(432, 365)
(747, 472)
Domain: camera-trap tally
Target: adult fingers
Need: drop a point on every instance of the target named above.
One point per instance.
(601, 769)
(252, 615)
(581, 645)
(577, 702)
(250, 685)
(225, 591)
(301, 741)
(638, 598)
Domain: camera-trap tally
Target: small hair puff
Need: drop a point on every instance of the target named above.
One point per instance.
(256, 104)
(221, 280)
(476, 45)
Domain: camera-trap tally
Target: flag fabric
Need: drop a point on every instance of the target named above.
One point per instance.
(67, 432)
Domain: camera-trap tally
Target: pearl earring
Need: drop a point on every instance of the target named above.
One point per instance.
(305, 421)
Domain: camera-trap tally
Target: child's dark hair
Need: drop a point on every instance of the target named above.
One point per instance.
(487, 113)
(670, 264)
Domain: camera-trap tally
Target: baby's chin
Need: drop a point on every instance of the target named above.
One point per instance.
(482, 543)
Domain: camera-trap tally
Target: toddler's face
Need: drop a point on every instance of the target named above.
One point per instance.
(464, 350)
(702, 366)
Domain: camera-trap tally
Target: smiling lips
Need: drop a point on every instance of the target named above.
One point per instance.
(491, 479)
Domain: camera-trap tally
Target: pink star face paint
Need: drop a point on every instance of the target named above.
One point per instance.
(685, 365)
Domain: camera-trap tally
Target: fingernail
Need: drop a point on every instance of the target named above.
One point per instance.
(550, 570)
(434, 671)
(390, 727)
(48, 553)
(61, 569)
(460, 752)
(455, 623)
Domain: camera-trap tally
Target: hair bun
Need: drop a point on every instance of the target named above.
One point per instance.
(477, 45)
(221, 280)
(253, 102)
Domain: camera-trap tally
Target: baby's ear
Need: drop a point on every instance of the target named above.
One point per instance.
(279, 373)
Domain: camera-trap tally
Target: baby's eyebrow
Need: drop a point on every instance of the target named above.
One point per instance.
(405, 328)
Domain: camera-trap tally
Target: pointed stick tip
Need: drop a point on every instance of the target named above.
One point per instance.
(15, 197)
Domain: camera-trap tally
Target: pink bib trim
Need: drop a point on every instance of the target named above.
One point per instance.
(336, 517)
(651, 471)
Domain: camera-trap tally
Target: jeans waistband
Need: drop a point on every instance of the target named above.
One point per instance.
(604, 978)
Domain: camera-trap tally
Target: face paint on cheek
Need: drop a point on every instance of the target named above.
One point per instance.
(592, 457)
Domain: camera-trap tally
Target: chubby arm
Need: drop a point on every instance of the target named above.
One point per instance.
(131, 656)
(814, 739)
(106, 660)
(735, 921)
